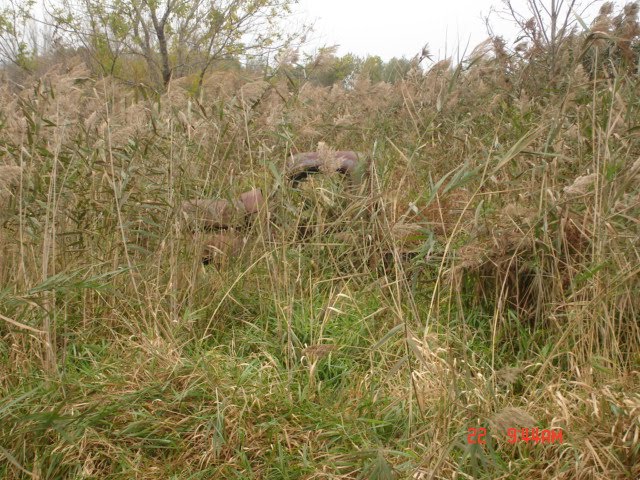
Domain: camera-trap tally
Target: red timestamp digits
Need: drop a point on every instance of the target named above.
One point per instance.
(515, 435)
(534, 435)
(476, 436)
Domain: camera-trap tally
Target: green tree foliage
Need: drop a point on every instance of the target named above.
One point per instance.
(175, 37)
(17, 45)
(396, 69)
(373, 67)
(327, 69)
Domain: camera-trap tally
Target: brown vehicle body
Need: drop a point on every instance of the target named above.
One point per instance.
(303, 164)
(223, 218)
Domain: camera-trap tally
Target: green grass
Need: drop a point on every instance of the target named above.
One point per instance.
(475, 275)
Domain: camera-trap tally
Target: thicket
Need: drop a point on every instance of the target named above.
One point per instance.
(483, 272)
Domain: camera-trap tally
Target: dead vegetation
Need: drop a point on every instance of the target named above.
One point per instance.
(481, 271)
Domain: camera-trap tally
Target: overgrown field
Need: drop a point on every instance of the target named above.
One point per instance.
(483, 272)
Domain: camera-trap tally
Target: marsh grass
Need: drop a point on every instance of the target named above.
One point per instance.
(483, 271)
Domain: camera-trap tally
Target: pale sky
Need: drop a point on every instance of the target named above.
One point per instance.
(399, 28)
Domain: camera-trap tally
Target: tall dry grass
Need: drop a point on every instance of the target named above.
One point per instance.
(482, 272)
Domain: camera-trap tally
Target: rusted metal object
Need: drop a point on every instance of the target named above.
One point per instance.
(218, 214)
(207, 214)
(304, 164)
(252, 201)
(220, 247)
(225, 217)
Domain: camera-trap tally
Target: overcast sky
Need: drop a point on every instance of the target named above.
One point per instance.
(401, 27)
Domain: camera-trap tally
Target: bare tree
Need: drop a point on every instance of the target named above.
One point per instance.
(546, 23)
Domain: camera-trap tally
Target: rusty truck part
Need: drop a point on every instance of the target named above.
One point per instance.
(208, 214)
(252, 201)
(220, 247)
(301, 165)
(220, 214)
(225, 216)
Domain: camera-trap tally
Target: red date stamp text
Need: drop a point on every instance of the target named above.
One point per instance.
(515, 435)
